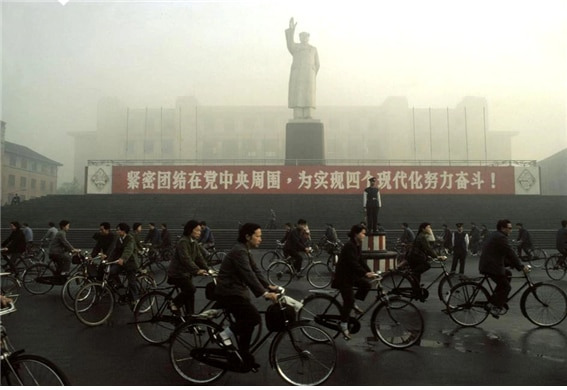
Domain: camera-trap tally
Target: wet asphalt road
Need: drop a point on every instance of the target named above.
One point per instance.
(506, 351)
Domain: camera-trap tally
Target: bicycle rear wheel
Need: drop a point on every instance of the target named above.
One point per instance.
(268, 258)
(538, 258)
(467, 304)
(322, 310)
(154, 321)
(544, 304)
(319, 275)
(94, 304)
(186, 338)
(556, 267)
(32, 370)
(37, 272)
(398, 283)
(70, 290)
(303, 360)
(446, 284)
(280, 273)
(397, 324)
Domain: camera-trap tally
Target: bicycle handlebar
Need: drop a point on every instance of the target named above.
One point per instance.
(9, 309)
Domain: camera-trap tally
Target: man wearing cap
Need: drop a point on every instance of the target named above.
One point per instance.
(460, 244)
(372, 203)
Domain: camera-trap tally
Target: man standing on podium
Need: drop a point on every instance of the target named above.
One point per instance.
(372, 203)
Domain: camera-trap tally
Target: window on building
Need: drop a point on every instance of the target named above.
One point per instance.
(23, 182)
(11, 181)
(33, 184)
(42, 185)
(24, 163)
(34, 166)
(13, 161)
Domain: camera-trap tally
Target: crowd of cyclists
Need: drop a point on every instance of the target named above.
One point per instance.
(239, 276)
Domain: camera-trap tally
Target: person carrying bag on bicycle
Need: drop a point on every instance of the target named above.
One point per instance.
(496, 255)
(421, 251)
(352, 271)
(237, 275)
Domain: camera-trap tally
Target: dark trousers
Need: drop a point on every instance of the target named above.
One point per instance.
(11, 258)
(372, 217)
(186, 294)
(62, 263)
(347, 293)
(246, 317)
(297, 259)
(502, 289)
(133, 286)
(459, 257)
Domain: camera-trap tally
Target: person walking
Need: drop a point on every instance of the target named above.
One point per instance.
(496, 256)
(372, 202)
(460, 247)
(352, 271)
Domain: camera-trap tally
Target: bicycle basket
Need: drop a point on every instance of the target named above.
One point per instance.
(210, 291)
(278, 315)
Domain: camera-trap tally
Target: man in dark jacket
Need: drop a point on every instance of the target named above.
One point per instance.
(14, 246)
(296, 244)
(561, 240)
(497, 254)
(105, 241)
(524, 241)
(238, 275)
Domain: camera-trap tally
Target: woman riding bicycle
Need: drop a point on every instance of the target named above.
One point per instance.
(239, 273)
(422, 250)
(352, 271)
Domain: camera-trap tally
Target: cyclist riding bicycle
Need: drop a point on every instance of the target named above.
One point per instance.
(497, 254)
(561, 241)
(60, 248)
(126, 255)
(421, 251)
(239, 273)
(14, 246)
(187, 262)
(297, 242)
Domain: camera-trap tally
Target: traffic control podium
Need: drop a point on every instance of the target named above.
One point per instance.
(375, 253)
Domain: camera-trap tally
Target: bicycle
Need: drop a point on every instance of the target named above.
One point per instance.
(21, 369)
(10, 286)
(273, 255)
(94, 302)
(87, 272)
(150, 260)
(401, 281)
(395, 321)
(213, 257)
(301, 353)
(40, 278)
(281, 272)
(536, 257)
(543, 304)
(556, 266)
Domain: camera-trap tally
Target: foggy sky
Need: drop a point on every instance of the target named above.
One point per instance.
(58, 61)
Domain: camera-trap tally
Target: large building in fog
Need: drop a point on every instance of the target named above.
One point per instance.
(393, 132)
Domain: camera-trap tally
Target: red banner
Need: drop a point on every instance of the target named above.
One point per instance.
(310, 180)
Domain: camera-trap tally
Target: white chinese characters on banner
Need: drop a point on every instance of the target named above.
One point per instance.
(312, 180)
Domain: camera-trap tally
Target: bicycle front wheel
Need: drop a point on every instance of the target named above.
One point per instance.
(94, 304)
(467, 304)
(154, 321)
(280, 273)
(303, 360)
(36, 279)
(10, 287)
(70, 290)
(556, 267)
(322, 310)
(186, 338)
(32, 370)
(544, 304)
(537, 258)
(319, 275)
(215, 260)
(268, 258)
(159, 271)
(399, 325)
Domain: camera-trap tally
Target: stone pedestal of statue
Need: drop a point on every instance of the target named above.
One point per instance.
(304, 142)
